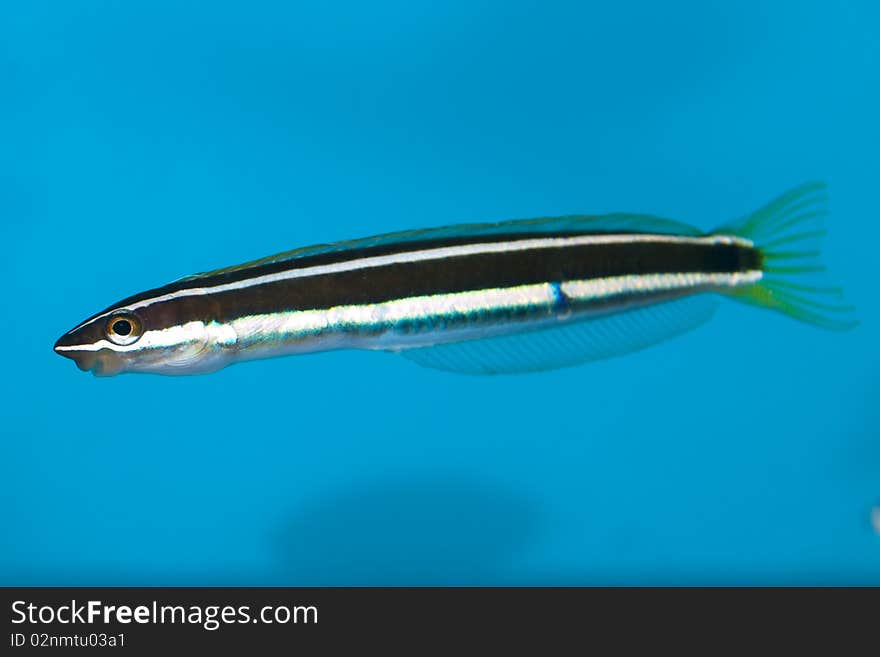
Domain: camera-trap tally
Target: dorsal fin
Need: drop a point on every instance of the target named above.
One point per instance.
(569, 224)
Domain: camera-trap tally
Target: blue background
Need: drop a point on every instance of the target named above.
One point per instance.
(140, 142)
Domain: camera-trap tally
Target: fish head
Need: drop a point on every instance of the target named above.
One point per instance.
(161, 337)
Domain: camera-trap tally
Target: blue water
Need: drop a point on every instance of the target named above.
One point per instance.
(140, 142)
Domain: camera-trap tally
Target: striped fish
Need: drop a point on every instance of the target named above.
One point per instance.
(514, 296)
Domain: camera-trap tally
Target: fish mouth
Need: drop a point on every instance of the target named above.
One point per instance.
(100, 363)
(85, 360)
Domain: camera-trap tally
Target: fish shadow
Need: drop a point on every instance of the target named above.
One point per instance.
(437, 531)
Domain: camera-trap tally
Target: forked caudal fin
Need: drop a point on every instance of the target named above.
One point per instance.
(788, 233)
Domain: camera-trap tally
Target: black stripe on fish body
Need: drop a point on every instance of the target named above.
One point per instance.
(458, 274)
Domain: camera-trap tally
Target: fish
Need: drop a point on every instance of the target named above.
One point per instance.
(493, 298)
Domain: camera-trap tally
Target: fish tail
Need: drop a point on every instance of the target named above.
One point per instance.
(787, 233)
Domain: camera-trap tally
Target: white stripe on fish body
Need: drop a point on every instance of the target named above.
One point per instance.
(407, 323)
(423, 321)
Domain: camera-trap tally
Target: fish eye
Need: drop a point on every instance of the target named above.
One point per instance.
(123, 329)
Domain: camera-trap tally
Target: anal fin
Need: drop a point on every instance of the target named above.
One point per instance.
(571, 343)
